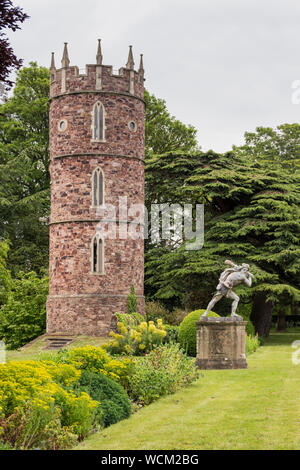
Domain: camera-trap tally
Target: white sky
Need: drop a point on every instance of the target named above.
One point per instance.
(224, 66)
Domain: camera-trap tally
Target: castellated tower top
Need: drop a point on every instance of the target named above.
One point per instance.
(97, 78)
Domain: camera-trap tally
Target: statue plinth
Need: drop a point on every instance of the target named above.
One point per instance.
(221, 343)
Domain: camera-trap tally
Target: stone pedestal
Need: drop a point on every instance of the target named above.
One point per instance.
(221, 343)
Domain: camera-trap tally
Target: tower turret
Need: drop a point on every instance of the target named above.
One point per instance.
(96, 161)
(130, 61)
(65, 62)
(99, 53)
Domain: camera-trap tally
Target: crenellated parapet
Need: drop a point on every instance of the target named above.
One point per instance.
(97, 77)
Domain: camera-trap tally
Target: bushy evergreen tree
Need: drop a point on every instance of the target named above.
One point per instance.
(252, 215)
(5, 277)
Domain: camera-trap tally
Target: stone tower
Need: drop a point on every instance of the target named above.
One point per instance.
(96, 159)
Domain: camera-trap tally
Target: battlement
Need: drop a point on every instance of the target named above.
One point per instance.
(97, 77)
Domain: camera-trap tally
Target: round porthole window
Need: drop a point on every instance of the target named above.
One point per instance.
(132, 126)
(62, 125)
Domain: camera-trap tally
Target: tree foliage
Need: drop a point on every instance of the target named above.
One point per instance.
(281, 145)
(24, 174)
(163, 132)
(5, 278)
(10, 18)
(23, 316)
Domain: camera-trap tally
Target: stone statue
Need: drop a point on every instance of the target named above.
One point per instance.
(229, 278)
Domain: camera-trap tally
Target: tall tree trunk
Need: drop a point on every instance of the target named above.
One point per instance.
(261, 315)
(281, 321)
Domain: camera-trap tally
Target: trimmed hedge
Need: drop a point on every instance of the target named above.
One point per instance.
(114, 402)
(187, 331)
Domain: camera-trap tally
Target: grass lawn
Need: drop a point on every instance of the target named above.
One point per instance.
(33, 350)
(257, 408)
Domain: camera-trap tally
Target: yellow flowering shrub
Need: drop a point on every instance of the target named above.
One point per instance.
(136, 339)
(40, 386)
(95, 359)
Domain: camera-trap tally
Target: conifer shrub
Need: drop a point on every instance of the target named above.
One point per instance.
(131, 302)
(187, 331)
(114, 402)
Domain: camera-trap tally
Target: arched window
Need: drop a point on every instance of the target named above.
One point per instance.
(97, 255)
(98, 122)
(97, 188)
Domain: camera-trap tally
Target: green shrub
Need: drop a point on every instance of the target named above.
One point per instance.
(187, 331)
(33, 426)
(250, 330)
(78, 412)
(163, 371)
(5, 446)
(23, 316)
(176, 316)
(131, 302)
(244, 311)
(155, 310)
(114, 402)
(172, 334)
(252, 343)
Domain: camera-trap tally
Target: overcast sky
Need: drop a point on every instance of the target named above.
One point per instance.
(225, 66)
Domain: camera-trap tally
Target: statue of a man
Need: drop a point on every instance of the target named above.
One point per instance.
(229, 278)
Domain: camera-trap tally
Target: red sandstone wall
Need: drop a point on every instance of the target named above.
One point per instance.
(110, 82)
(80, 301)
(77, 109)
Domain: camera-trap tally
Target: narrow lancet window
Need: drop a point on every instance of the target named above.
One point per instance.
(98, 122)
(97, 255)
(98, 188)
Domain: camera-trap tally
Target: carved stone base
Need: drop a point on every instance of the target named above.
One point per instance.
(221, 343)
